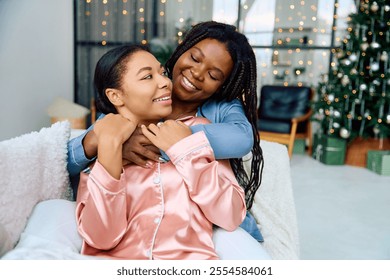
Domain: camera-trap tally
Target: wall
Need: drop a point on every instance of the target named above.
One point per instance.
(36, 62)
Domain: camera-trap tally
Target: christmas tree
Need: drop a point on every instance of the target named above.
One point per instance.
(354, 98)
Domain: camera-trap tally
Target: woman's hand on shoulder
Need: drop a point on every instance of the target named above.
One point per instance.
(165, 134)
(114, 128)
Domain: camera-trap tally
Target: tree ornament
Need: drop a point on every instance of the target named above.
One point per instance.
(387, 8)
(374, 7)
(384, 56)
(388, 118)
(375, 66)
(345, 80)
(353, 57)
(336, 125)
(364, 46)
(336, 114)
(376, 130)
(346, 62)
(353, 71)
(344, 133)
(363, 87)
(375, 45)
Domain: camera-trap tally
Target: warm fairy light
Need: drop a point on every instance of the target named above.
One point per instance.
(181, 19)
(104, 23)
(104, 42)
(88, 1)
(87, 13)
(292, 7)
(142, 31)
(141, 19)
(179, 33)
(314, 18)
(124, 12)
(141, 10)
(163, 1)
(144, 42)
(246, 7)
(280, 30)
(162, 13)
(105, 2)
(104, 33)
(285, 84)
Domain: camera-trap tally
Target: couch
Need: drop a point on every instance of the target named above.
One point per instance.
(36, 195)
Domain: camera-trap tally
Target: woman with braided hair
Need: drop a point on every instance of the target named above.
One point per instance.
(223, 91)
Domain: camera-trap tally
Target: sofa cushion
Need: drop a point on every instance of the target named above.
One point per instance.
(32, 169)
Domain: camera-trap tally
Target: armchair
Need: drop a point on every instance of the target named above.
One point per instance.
(284, 115)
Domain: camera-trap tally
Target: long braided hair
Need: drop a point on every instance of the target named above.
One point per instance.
(241, 84)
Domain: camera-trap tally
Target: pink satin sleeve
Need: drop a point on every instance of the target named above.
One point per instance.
(101, 208)
(211, 184)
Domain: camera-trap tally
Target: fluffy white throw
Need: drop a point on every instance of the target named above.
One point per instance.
(32, 169)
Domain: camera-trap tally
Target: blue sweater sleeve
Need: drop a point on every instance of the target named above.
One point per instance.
(230, 133)
(77, 160)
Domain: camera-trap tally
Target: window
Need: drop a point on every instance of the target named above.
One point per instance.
(292, 39)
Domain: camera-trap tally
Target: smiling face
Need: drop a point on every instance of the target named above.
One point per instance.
(201, 71)
(145, 91)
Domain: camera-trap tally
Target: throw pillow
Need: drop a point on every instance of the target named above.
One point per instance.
(33, 168)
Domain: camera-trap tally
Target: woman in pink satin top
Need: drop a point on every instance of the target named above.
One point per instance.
(168, 210)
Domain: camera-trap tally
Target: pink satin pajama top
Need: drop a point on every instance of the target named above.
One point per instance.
(166, 212)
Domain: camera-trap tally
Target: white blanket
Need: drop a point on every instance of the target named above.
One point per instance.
(274, 207)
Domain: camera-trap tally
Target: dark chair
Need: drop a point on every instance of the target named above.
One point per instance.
(284, 115)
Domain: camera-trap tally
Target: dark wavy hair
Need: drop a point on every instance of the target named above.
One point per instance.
(109, 71)
(241, 84)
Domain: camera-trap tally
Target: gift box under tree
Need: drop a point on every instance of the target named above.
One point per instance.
(379, 162)
(329, 150)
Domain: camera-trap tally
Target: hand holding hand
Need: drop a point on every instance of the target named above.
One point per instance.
(164, 135)
(113, 128)
(138, 149)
